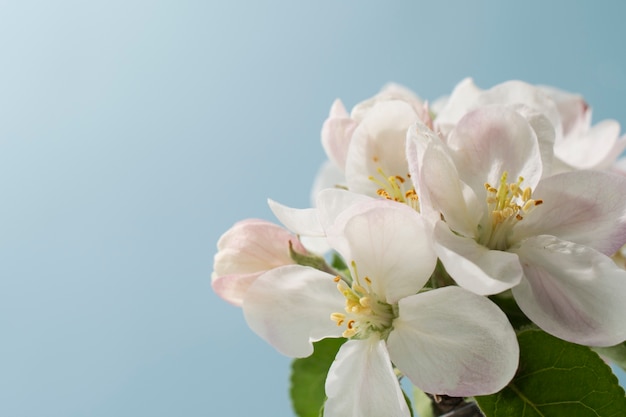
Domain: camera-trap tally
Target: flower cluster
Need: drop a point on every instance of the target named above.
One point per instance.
(432, 212)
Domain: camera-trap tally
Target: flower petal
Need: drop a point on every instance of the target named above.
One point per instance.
(390, 244)
(336, 134)
(461, 101)
(586, 207)
(450, 341)
(290, 308)
(328, 176)
(300, 221)
(442, 189)
(389, 92)
(589, 149)
(492, 140)
(247, 250)
(254, 245)
(572, 291)
(377, 148)
(233, 288)
(473, 266)
(514, 93)
(333, 201)
(361, 382)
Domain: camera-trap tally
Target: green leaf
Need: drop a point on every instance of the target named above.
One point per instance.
(309, 259)
(557, 378)
(338, 262)
(617, 354)
(308, 376)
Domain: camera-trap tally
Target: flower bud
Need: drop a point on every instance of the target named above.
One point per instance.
(247, 250)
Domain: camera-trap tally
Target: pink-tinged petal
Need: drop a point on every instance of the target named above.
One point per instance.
(247, 250)
(233, 288)
(391, 245)
(361, 382)
(442, 189)
(492, 140)
(300, 221)
(378, 147)
(290, 308)
(254, 245)
(337, 133)
(332, 202)
(512, 93)
(475, 267)
(450, 341)
(572, 291)
(585, 207)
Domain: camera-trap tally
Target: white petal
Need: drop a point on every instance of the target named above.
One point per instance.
(450, 341)
(379, 143)
(328, 176)
(300, 221)
(544, 130)
(612, 157)
(290, 308)
(572, 291)
(442, 189)
(333, 201)
(461, 101)
(317, 245)
(587, 150)
(418, 138)
(586, 207)
(492, 140)
(361, 382)
(475, 267)
(516, 92)
(390, 244)
(389, 92)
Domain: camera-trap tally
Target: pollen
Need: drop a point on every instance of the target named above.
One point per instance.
(364, 311)
(507, 204)
(395, 188)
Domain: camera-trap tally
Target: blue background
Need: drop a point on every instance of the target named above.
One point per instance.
(134, 133)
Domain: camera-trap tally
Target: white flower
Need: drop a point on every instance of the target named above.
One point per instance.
(576, 144)
(446, 341)
(366, 147)
(502, 224)
(247, 250)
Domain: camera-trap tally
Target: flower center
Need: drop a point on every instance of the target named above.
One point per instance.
(364, 311)
(507, 205)
(396, 188)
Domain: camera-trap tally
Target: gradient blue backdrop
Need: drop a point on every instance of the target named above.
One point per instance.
(133, 133)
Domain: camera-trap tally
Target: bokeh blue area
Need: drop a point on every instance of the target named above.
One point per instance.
(133, 133)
